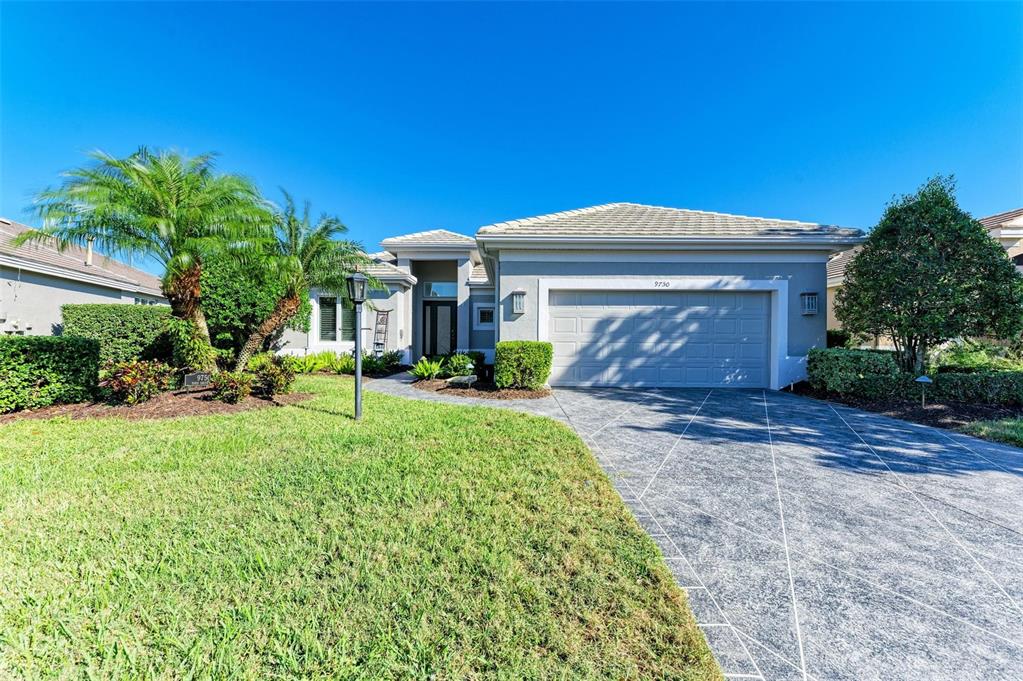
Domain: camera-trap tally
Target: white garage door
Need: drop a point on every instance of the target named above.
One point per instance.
(669, 338)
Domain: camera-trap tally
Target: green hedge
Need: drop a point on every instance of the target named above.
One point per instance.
(37, 371)
(874, 375)
(125, 332)
(522, 364)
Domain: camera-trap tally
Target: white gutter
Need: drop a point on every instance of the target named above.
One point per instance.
(73, 275)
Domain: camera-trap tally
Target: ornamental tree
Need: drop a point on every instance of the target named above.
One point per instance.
(928, 273)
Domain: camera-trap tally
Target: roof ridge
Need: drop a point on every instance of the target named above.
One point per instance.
(426, 233)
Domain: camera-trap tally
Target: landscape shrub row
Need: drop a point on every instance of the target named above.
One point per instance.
(522, 364)
(874, 375)
(37, 371)
(124, 332)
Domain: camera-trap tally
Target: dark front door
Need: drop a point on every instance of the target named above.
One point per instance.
(439, 327)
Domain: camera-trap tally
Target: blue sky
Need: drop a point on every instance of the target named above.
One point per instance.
(406, 117)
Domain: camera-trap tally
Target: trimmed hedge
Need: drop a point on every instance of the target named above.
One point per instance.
(874, 375)
(37, 371)
(125, 332)
(522, 364)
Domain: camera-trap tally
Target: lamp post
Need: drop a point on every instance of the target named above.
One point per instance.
(357, 294)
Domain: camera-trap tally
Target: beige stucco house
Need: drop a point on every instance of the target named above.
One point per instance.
(37, 278)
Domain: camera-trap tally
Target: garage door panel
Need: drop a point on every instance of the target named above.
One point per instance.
(659, 338)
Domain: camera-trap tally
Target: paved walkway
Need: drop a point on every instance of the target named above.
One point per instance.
(816, 541)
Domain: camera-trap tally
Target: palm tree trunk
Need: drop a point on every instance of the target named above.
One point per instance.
(284, 310)
(183, 294)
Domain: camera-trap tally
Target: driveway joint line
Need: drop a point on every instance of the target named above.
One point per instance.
(674, 446)
(785, 539)
(743, 634)
(932, 514)
(620, 415)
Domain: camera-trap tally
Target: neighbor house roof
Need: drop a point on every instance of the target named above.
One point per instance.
(71, 262)
(999, 219)
(431, 239)
(839, 261)
(629, 221)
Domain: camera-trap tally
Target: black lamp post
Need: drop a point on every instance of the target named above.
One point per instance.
(357, 294)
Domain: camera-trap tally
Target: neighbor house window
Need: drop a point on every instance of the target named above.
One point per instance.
(484, 316)
(328, 319)
(440, 289)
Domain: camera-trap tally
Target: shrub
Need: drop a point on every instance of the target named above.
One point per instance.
(391, 360)
(985, 387)
(136, 381)
(189, 349)
(459, 365)
(970, 356)
(275, 374)
(522, 364)
(371, 364)
(124, 332)
(862, 373)
(231, 386)
(37, 371)
(319, 361)
(342, 364)
(839, 338)
(427, 368)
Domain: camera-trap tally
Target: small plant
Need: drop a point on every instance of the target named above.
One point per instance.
(231, 386)
(136, 381)
(459, 365)
(371, 364)
(427, 368)
(342, 364)
(391, 360)
(274, 373)
(190, 349)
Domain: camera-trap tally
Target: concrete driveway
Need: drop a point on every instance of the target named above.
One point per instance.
(815, 541)
(822, 542)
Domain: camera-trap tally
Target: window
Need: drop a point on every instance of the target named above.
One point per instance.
(328, 319)
(484, 316)
(808, 303)
(440, 289)
(348, 322)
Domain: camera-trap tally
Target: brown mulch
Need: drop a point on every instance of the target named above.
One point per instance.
(487, 391)
(163, 406)
(952, 415)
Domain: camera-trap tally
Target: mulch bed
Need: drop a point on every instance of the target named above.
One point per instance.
(487, 391)
(953, 415)
(163, 406)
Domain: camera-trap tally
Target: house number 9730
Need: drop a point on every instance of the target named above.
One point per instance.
(662, 284)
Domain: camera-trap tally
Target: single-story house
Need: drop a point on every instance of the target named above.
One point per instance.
(629, 295)
(37, 278)
(1006, 228)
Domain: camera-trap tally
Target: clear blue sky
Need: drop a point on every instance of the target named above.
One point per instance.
(408, 117)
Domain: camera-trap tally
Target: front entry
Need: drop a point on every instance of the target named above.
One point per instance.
(439, 327)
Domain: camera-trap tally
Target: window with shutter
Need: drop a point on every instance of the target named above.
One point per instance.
(328, 319)
(347, 322)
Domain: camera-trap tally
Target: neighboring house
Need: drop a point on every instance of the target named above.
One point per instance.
(37, 278)
(1006, 228)
(629, 295)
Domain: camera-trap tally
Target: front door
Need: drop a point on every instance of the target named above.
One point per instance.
(438, 327)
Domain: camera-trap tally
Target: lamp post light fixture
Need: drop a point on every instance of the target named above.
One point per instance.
(357, 294)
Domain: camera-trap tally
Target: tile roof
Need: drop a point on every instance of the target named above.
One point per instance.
(993, 221)
(479, 275)
(839, 261)
(434, 237)
(72, 259)
(636, 220)
(383, 267)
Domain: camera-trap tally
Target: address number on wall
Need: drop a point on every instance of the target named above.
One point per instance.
(662, 284)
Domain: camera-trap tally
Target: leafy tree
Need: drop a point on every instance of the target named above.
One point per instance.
(928, 273)
(237, 297)
(162, 205)
(304, 257)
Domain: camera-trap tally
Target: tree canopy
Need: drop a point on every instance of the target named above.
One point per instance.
(929, 273)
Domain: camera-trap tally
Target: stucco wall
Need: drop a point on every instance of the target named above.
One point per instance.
(804, 332)
(480, 339)
(833, 322)
(35, 299)
(392, 299)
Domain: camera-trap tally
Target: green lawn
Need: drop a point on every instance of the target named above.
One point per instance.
(293, 542)
(1009, 431)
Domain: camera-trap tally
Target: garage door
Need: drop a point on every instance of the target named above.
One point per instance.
(669, 338)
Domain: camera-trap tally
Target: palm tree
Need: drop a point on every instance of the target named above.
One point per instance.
(304, 256)
(162, 205)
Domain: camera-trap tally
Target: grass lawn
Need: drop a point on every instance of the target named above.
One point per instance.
(428, 539)
(1009, 431)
